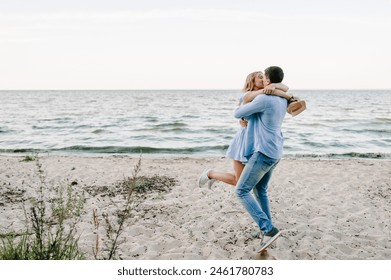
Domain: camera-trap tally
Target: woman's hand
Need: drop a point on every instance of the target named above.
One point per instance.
(243, 122)
(269, 89)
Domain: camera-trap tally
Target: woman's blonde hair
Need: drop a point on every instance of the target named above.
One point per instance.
(250, 81)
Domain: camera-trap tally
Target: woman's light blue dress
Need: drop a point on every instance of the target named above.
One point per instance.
(236, 150)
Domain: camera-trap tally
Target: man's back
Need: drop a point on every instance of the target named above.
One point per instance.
(265, 114)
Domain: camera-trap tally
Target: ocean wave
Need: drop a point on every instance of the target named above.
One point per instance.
(123, 150)
(386, 120)
(170, 125)
(98, 131)
(368, 130)
(201, 150)
(325, 130)
(341, 155)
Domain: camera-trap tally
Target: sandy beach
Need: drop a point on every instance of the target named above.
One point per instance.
(327, 209)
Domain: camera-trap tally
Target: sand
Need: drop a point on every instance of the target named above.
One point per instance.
(327, 209)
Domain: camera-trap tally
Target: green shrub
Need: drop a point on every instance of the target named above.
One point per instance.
(48, 235)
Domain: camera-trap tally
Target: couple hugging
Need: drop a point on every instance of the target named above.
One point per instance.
(258, 145)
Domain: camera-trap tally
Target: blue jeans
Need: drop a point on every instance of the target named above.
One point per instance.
(255, 176)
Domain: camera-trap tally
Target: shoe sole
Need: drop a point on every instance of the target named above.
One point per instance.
(199, 183)
(271, 240)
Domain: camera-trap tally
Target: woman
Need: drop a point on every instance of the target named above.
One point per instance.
(236, 150)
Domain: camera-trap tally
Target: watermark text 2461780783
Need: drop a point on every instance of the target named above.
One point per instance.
(240, 270)
(212, 271)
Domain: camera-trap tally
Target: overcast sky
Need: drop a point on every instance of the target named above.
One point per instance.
(194, 44)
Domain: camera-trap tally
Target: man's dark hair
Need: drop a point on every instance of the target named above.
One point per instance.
(274, 74)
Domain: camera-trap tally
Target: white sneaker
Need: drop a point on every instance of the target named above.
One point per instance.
(203, 179)
(269, 238)
(211, 182)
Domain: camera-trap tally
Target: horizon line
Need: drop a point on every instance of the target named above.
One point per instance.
(189, 89)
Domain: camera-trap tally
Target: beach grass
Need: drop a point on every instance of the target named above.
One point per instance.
(51, 221)
(133, 188)
(50, 231)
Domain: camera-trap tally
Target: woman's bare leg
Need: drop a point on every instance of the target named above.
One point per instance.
(238, 168)
(226, 177)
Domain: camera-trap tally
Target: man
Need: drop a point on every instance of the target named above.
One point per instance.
(265, 146)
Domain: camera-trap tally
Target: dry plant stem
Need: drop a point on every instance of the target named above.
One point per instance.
(95, 250)
(126, 212)
(113, 233)
(47, 235)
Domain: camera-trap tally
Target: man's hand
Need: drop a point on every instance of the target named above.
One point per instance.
(243, 122)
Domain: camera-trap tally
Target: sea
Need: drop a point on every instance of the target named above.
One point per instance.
(336, 124)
